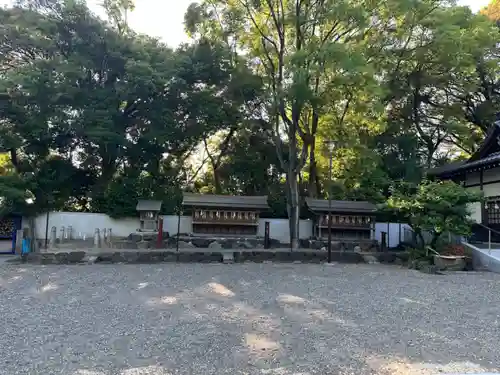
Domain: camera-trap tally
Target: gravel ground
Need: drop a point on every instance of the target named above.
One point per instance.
(275, 319)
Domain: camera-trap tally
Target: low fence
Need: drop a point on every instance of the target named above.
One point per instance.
(84, 224)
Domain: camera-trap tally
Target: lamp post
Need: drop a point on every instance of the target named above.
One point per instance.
(330, 145)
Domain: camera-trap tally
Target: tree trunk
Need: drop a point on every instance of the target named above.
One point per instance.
(293, 207)
(217, 184)
(314, 188)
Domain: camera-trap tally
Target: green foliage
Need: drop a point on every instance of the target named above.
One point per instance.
(94, 116)
(434, 207)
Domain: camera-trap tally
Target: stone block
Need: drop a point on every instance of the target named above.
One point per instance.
(142, 245)
(347, 257)
(243, 245)
(47, 258)
(228, 243)
(201, 242)
(227, 258)
(135, 237)
(284, 256)
(118, 257)
(104, 258)
(61, 258)
(32, 257)
(370, 259)
(170, 256)
(186, 245)
(184, 257)
(215, 245)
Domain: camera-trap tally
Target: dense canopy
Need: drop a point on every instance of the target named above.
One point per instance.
(94, 116)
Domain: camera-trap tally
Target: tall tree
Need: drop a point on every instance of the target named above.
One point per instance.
(314, 57)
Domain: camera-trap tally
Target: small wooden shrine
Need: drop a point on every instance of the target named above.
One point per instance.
(149, 212)
(224, 215)
(354, 220)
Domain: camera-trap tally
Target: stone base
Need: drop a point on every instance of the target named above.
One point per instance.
(157, 256)
(363, 246)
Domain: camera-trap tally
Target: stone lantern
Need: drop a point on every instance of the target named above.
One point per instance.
(148, 215)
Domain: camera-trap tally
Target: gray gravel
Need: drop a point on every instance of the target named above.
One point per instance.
(273, 319)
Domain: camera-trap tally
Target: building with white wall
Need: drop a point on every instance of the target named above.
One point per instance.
(480, 172)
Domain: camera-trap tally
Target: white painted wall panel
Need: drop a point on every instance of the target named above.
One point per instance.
(393, 229)
(491, 190)
(491, 175)
(86, 223)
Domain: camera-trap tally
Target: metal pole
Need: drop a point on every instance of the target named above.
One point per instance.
(330, 208)
(489, 241)
(47, 231)
(178, 229)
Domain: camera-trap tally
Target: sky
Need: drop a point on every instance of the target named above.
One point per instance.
(164, 18)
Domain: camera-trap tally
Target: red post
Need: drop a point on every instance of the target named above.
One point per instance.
(159, 239)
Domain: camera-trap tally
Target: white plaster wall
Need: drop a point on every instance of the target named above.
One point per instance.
(170, 223)
(279, 229)
(393, 229)
(475, 208)
(491, 190)
(86, 223)
(492, 174)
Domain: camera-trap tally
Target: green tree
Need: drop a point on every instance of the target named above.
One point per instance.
(434, 207)
(106, 108)
(314, 59)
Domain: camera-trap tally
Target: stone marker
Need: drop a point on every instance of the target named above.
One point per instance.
(62, 234)
(53, 236)
(227, 258)
(19, 241)
(104, 235)
(215, 245)
(97, 238)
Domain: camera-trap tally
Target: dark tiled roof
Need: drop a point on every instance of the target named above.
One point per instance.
(147, 205)
(464, 165)
(478, 159)
(446, 168)
(232, 201)
(321, 205)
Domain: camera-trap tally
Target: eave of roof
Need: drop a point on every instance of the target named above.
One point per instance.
(477, 161)
(148, 205)
(322, 205)
(226, 201)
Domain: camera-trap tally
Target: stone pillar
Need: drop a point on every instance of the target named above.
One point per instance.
(53, 237)
(97, 238)
(109, 237)
(104, 236)
(19, 241)
(63, 233)
(70, 232)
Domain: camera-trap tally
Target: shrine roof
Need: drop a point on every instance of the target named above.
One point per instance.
(148, 205)
(229, 201)
(358, 207)
(487, 156)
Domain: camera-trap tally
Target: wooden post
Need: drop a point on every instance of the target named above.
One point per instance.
(159, 239)
(266, 235)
